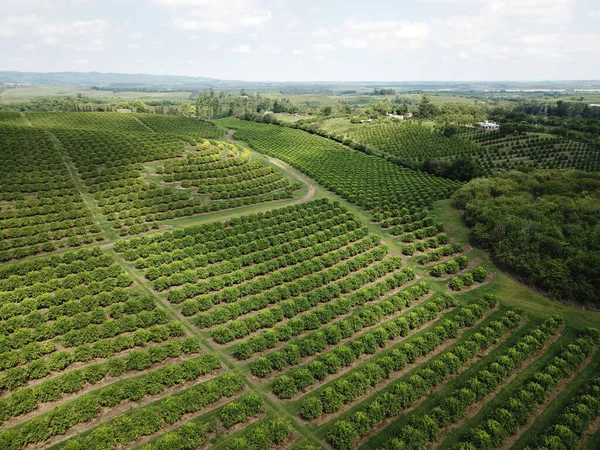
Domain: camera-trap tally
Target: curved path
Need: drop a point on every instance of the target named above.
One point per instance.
(282, 165)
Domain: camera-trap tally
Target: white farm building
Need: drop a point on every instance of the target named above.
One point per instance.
(488, 126)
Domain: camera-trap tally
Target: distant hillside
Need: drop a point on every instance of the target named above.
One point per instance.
(101, 79)
(124, 81)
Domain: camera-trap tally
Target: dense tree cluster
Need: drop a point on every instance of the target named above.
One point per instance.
(417, 146)
(543, 225)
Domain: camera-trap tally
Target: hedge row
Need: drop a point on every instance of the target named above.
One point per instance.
(60, 360)
(398, 359)
(477, 275)
(297, 380)
(192, 434)
(283, 291)
(232, 271)
(507, 417)
(316, 342)
(28, 399)
(203, 266)
(451, 266)
(147, 420)
(568, 429)
(343, 434)
(440, 253)
(236, 232)
(88, 406)
(426, 244)
(319, 316)
(263, 437)
(365, 248)
(298, 276)
(454, 407)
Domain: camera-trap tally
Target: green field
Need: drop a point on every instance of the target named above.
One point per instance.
(170, 283)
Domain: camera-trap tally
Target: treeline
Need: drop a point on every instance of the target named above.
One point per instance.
(544, 225)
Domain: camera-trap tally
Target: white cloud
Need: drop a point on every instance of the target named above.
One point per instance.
(353, 43)
(75, 28)
(80, 61)
(50, 40)
(463, 55)
(385, 35)
(213, 47)
(97, 45)
(322, 32)
(15, 25)
(537, 11)
(323, 47)
(298, 51)
(135, 35)
(225, 16)
(271, 49)
(29, 47)
(243, 48)
(133, 46)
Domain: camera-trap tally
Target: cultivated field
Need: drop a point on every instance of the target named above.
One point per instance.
(294, 293)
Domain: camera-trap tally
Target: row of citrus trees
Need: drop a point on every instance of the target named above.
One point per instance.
(44, 211)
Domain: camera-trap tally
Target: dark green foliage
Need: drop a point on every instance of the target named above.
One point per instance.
(543, 225)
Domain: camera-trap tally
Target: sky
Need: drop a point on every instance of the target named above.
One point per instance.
(306, 40)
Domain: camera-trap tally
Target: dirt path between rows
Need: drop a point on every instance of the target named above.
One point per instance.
(284, 166)
(560, 387)
(475, 408)
(389, 420)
